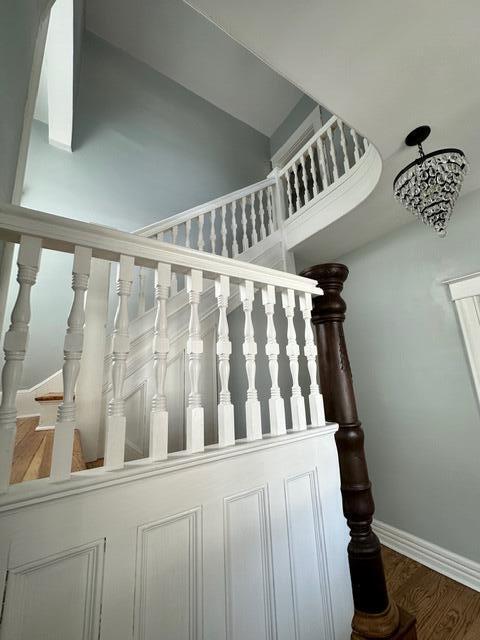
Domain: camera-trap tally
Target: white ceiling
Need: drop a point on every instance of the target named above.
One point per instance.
(384, 67)
(177, 41)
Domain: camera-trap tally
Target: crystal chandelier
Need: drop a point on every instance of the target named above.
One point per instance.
(429, 186)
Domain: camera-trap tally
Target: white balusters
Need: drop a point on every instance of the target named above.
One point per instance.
(275, 403)
(233, 208)
(297, 403)
(317, 413)
(313, 170)
(263, 231)
(161, 236)
(365, 144)
(343, 144)
(224, 231)
(244, 224)
(356, 149)
(270, 206)
(252, 406)
(298, 202)
(195, 433)
(213, 232)
(72, 351)
(306, 195)
(323, 163)
(116, 419)
(332, 153)
(289, 193)
(201, 241)
(174, 275)
(141, 292)
(188, 230)
(226, 425)
(253, 219)
(15, 346)
(161, 345)
(174, 234)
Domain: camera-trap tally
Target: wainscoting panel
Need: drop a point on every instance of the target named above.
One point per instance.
(56, 597)
(224, 545)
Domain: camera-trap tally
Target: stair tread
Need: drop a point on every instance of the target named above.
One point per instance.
(49, 397)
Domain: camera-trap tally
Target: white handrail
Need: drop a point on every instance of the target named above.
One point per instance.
(179, 218)
(318, 134)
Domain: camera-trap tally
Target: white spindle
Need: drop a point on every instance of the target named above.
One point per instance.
(161, 236)
(161, 345)
(332, 153)
(323, 163)
(233, 208)
(188, 229)
(317, 413)
(297, 404)
(72, 350)
(224, 231)
(253, 219)
(289, 193)
(141, 291)
(226, 425)
(116, 420)
(275, 403)
(195, 434)
(15, 346)
(252, 405)
(298, 203)
(306, 195)
(201, 241)
(174, 284)
(343, 143)
(356, 149)
(174, 234)
(213, 232)
(244, 225)
(271, 221)
(365, 144)
(263, 231)
(313, 170)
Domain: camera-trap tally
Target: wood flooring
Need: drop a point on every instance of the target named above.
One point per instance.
(32, 456)
(445, 609)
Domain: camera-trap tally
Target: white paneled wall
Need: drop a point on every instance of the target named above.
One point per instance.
(246, 543)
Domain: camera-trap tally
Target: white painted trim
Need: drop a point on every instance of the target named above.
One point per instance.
(446, 562)
(465, 286)
(302, 133)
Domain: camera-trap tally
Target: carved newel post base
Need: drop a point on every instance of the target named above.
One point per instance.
(376, 616)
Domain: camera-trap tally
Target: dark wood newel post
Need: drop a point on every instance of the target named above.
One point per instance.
(376, 616)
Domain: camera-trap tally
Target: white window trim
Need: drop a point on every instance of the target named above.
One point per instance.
(304, 132)
(465, 293)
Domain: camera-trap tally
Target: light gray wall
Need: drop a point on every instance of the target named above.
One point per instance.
(145, 148)
(414, 389)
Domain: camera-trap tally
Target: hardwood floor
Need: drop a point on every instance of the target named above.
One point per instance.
(445, 609)
(32, 456)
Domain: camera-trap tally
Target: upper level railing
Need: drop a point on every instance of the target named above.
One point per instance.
(35, 231)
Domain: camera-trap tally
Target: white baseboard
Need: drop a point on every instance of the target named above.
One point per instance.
(449, 564)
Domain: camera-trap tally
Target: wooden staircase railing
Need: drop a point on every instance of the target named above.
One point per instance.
(376, 616)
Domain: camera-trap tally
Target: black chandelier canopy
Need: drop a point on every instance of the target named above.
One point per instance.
(429, 186)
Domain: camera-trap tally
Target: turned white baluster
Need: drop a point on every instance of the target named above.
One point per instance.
(72, 350)
(313, 171)
(297, 403)
(201, 241)
(188, 229)
(343, 144)
(116, 420)
(224, 231)
(141, 291)
(317, 413)
(233, 208)
(332, 153)
(174, 234)
(365, 144)
(271, 221)
(253, 219)
(226, 425)
(174, 284)
(252, 406)
(356, 148)
(161, 345)
(306, 195)
(213, 232)
(323, 163)
(244, 225)
(298, 202)
(275, 403)
(161, 236)
(289, 193)
(194, 350)
(263, 231)
(15, 346)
